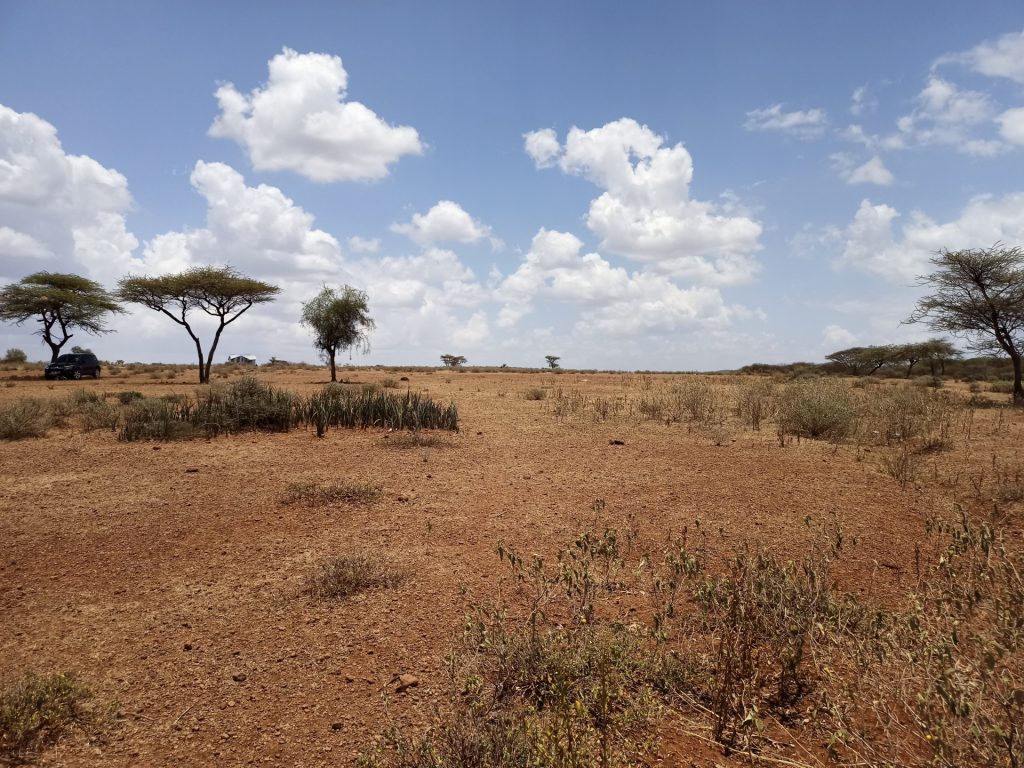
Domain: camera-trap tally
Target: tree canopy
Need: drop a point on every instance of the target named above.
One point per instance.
(978, 295)
(60, 303)
(452, 361)
(220, 292)
(552, 361)
(339, 320)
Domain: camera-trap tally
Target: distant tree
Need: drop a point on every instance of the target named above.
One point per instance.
(863, 360)
(15, 356)
(552, 361)
(937, 352)
(979, 297)
(220, 292)
(453, 361)
(339, 320)
(60, 303)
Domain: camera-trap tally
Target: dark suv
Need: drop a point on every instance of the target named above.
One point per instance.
(74, 366)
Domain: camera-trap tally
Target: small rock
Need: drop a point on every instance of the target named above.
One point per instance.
(191, 470)
(337, 726)
(239, 677)
(616, 442)
(406, 681)
(187, 646)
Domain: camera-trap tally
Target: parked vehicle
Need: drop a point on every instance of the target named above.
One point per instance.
(73, 366)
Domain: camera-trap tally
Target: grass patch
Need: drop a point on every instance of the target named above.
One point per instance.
(346, 575)
(36, 710)
(412, 440)
(341, 492)
(534, 393)
(23, 418)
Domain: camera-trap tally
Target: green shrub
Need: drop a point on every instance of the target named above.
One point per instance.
(128, 397)
(756, 400)
(36, 710)
(15, 355)
(817, 408)
(1001, 387)
(389, 383)
(25, 417)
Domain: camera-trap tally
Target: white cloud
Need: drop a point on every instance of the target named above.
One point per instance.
(14, 244)
(1011, 125)
(837, 336)
(54, 204)
(862, 101)
(872, 244)
(543, 146)
(611, 298)
(645, 212)
(804, 124)
(300, 121)
(257, 229)
(1003, 57)
(363, 244)
(871, 172)
(445, 222)
(945, 114)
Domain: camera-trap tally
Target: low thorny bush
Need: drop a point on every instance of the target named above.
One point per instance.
(24, 417)
(764, 647)
(36, 710)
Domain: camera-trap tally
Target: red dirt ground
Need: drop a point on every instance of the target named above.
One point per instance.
(168, 575)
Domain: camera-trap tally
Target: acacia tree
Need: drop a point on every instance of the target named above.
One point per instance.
(863, 359)
(339, 319)
(453, 361)
(979, 297)
(60, 303)
(219, 292)
(552, 361)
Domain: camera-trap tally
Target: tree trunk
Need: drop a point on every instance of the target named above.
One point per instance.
(910, 368)
(1018, 390)
(334, 366)
(204, 375)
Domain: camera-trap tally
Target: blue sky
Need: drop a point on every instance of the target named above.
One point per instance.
(642, 185)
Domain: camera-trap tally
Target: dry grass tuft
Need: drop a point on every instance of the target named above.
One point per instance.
(339, 492)
(346, 575)
(36, 710)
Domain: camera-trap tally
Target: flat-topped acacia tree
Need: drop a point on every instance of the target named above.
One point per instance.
(220, 292)
(60, 303)
(978, 295)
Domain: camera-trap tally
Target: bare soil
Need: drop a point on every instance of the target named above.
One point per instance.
(169, 575)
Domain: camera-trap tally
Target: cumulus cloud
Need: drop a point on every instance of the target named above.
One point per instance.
(871, 172)
(257, 229)
(873, 242)
(1011, 125)
(543, 146)
(803, 124)
(447, 221)
(610, 298)
(1002, 57)
(364, 244)
(300, 121)
(54, 204)
(837, 336)
(862, 101)
(945, 114)
(646, 213)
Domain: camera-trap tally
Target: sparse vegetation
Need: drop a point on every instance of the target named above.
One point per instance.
(36, 710)
(347, 575)
(338, 492)
(25, 417)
